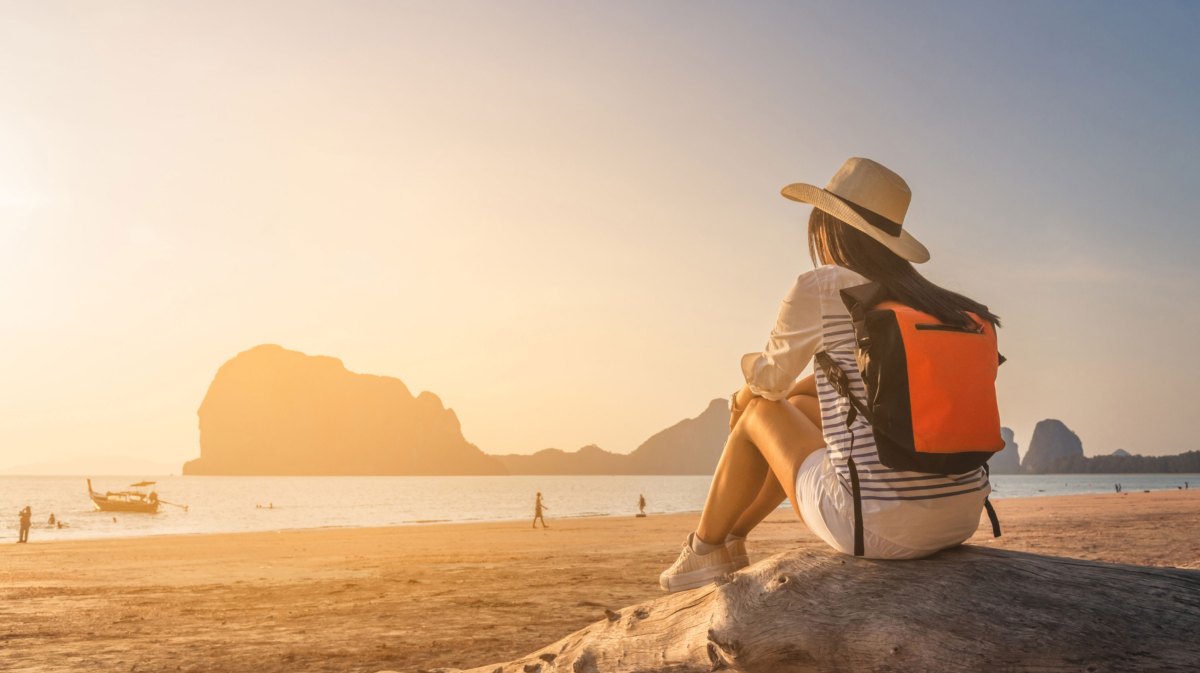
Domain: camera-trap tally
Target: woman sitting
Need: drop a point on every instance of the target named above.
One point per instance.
(789, 436)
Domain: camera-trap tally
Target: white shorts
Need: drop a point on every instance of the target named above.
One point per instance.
(903, 529)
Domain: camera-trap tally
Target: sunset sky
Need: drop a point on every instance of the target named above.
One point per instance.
(564, 217)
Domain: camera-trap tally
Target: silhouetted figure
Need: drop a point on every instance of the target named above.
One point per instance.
(1117, 488)
(26, 518)
(537, 511)
(52, 519)
(641, 505)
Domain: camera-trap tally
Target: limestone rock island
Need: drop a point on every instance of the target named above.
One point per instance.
(273, 411)
(1053, 448)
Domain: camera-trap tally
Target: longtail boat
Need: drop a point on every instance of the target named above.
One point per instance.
(125, 501)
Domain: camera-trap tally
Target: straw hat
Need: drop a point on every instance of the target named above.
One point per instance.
(870, 198)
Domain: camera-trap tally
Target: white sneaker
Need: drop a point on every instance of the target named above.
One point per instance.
(693, 570)
(737, 552)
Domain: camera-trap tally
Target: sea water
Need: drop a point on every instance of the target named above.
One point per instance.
(235, 504)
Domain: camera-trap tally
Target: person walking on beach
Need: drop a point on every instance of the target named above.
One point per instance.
(537, 511)
(810, 440)
(641, 505)
(26, 521)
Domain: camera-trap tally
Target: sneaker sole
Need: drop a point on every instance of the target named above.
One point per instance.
(694, 579)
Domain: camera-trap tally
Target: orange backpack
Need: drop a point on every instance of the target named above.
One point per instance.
(930, 388)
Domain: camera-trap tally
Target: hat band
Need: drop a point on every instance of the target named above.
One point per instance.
(873, 218)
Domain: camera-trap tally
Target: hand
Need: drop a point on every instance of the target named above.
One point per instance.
(735, 409)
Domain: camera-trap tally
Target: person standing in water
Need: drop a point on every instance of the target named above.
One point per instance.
(26, 518)
(537, 511)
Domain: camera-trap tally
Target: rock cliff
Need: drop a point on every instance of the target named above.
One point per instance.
(272, 411)
(1008, 460)
(691, 446)
(1053, 448)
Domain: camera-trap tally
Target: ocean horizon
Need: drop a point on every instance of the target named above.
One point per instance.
(257, 504)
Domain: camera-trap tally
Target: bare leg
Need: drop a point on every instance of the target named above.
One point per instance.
(771, 437)
(771, 494)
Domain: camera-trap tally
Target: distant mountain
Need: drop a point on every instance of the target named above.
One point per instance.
(1188, 462)
(591, 459)
(272, 411)
(691, 446)
(1008, 460)
(1052, 448)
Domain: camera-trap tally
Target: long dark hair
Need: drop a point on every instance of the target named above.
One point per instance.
(831, 241)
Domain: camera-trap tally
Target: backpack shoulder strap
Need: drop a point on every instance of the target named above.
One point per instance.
(841, 384)
(987, 504)
(862, 298)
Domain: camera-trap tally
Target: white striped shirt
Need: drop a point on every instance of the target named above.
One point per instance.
(813, 318)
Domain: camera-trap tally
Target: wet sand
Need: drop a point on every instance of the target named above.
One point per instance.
(420, 597)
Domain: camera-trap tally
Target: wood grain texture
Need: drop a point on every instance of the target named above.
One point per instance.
(964, 610)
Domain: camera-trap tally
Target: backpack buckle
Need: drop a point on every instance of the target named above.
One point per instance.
(841, 382)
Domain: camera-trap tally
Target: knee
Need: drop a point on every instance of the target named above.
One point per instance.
(760, 408)
(751, 415)
(763, 405)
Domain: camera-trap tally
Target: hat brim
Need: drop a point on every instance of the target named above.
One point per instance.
(903, 245)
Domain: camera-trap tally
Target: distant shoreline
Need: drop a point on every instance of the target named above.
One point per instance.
(504, 523)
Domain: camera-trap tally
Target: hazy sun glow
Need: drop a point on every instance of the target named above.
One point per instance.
(565, 221)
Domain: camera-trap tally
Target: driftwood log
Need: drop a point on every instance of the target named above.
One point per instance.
(969, 609)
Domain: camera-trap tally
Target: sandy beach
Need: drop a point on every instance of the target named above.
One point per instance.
(418, 597)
